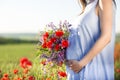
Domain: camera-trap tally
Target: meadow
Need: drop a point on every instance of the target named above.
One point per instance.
(10, 55)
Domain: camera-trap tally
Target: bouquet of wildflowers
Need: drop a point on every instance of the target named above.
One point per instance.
(54, 42)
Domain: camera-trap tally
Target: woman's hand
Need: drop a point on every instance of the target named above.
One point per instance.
(75, 65)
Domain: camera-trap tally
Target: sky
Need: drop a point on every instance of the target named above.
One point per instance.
(30, 16)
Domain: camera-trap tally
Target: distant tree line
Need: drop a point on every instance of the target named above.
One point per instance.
(15, 41)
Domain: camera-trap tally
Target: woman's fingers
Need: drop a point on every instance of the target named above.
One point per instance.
(69, 63)
(75, 68)
(74, 65)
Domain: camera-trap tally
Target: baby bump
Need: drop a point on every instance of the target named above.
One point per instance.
(74, 49)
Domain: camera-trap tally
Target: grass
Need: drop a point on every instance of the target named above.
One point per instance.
(11, 53)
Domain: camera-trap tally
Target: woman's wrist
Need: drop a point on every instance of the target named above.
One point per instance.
(83, 62)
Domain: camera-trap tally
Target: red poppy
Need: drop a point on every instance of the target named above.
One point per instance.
(5, 78)
(25, 71)
(65, 43)
(118, 70)
(57, 47)
(19, 78)
(59, 33)
(5, 75)
(62, 74)
(49, 44)
(31, 78)
(48, 78)
(15, 71)
(43, 62)
(29, 63)
(60, 63)
(23, 77)
(53, 39)
(25, 63)
(45, 36)
(44, 45)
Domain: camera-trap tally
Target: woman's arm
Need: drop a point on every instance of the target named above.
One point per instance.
(105, 13)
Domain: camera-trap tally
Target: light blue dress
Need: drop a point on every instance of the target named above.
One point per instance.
(84, 32)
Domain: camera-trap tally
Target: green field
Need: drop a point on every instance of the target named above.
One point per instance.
(11, 53)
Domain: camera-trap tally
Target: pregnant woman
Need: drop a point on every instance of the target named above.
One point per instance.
(92, 36)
